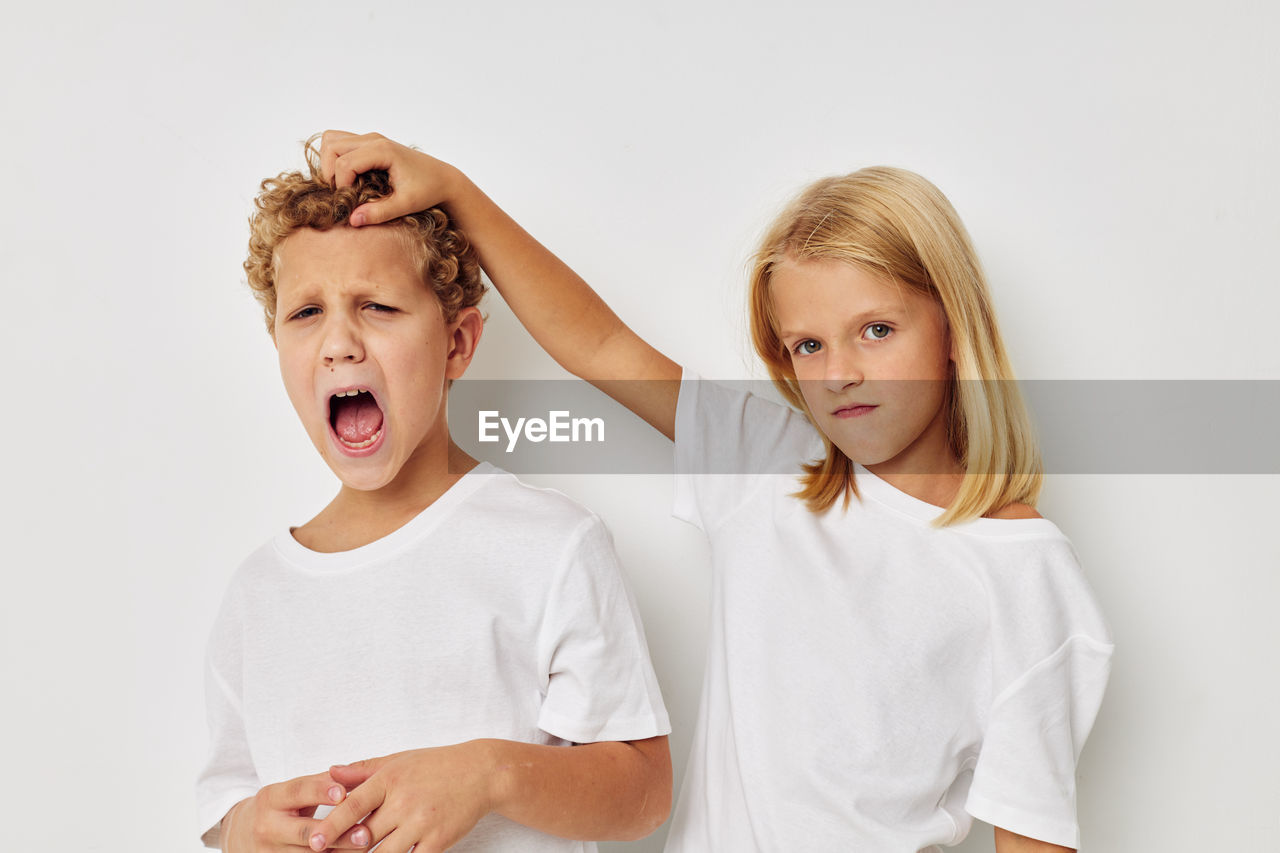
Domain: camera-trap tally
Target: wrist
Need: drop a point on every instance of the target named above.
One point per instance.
(456, 187)
(499, 780)
(224, 826)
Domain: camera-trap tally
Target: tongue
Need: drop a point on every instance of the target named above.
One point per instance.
(358, 418)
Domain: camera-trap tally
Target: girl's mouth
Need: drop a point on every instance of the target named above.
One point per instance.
(855, 410)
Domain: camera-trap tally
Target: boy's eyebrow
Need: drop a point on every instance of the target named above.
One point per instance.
(879, 312)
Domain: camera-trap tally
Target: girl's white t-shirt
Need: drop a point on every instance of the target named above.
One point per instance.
(873, 682)
(500, 611)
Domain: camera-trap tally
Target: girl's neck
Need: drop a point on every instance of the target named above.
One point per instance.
(926, 470)
(938, 489)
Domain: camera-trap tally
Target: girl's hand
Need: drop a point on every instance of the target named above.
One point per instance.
(425, 799)
(280, 817)
(419, 181)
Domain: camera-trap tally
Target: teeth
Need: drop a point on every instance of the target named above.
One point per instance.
(351, 393)
(363, 444)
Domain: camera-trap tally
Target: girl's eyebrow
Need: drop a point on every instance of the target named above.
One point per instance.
(887, 311)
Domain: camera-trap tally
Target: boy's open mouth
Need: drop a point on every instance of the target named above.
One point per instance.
(355, 418)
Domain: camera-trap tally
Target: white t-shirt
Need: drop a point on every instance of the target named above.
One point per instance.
(872, 682)
(498, 612)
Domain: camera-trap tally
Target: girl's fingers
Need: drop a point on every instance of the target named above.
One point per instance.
(336, 143)
(375, 154)
(332, 144)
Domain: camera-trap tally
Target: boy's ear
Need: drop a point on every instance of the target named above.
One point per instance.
(464, 336)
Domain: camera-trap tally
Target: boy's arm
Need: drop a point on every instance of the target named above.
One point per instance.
(1012, 842)
(564, 315)
(432, 798)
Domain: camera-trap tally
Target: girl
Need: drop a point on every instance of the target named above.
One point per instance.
(900, 643)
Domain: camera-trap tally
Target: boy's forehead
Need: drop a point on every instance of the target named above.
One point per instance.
(374, 253)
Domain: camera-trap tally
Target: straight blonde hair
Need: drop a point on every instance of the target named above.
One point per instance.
(897, 225)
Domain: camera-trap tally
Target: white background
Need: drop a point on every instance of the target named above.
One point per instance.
(1115, 162)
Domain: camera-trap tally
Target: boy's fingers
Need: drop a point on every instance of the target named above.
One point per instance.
(355, 773)
(357, 838)
(288, 830)
(304, 792)
(358, 803)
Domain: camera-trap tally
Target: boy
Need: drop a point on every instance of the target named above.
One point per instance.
(435, 602)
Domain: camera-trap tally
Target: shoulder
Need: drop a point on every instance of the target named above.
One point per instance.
(505, 492)
(1015, 511)
(1039, 594)
(262, 559)
(514, 511)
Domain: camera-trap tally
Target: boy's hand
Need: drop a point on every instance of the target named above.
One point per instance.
(419, 181)
(281, 817)
(425, 799)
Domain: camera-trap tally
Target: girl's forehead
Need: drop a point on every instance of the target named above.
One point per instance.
(831, 290)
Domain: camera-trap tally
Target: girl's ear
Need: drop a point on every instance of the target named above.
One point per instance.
(464, 337)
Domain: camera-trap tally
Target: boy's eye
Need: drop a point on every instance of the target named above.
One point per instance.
(377, 306)
(877, 331)
(808, 347)
(309, 311)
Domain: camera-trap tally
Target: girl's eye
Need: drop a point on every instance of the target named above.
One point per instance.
(808, 347)
(877, 331)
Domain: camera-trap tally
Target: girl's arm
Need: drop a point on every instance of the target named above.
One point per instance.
(564, 315)
(1012, 842)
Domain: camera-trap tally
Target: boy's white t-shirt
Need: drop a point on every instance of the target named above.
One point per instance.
(873, 682)
(498, 612)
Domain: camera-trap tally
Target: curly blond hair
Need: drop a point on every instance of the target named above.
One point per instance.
(292, 201)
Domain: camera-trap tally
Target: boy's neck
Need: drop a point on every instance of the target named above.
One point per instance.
(355, 518)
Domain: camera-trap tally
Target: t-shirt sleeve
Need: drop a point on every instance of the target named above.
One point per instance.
(228, 775)
(600, 684)
(1051, 660)
(728, 440)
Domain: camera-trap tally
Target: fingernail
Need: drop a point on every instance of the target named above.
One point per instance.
(360, 836)
(317, 842)
(335, 793)
(357, 219)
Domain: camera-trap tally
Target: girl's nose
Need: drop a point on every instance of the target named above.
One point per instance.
(843, 370)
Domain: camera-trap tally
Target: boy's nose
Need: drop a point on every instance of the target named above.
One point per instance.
(341, 343)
